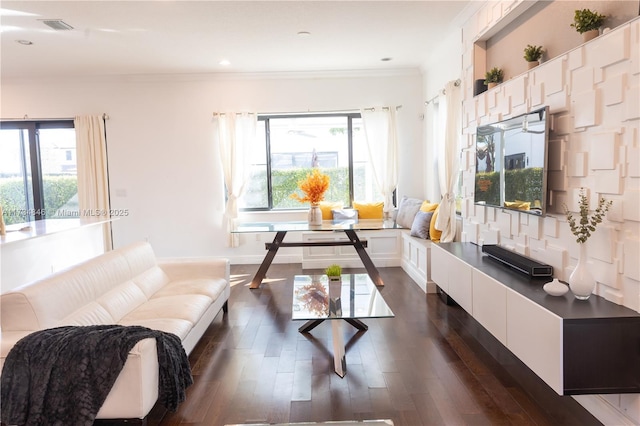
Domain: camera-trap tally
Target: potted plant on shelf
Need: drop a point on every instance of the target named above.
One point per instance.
(494, 76)
(587, 23)
(532, 55)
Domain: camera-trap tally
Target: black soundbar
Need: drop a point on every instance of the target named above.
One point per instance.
(519, 262)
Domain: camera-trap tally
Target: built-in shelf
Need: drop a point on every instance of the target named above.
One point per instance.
(576, 347)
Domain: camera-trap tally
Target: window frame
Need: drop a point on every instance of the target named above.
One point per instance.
(350, 116)
(33, 128)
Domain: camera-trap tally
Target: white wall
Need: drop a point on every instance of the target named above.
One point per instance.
(163, 166)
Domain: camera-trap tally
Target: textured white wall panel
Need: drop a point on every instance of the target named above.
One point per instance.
(633, 158)
(632, 258)
(605, 146)
(585, 109)
(581, 78)
(575, 58)
(631, 205)
(551, 227)
(632, 104)
(613, 89)
(577, 164)
(552, 74)
(556, 151)
(536, 95)
(608, 181)
(610, 48)
(504, 223)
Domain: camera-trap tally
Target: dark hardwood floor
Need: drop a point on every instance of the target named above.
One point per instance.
(423, 367)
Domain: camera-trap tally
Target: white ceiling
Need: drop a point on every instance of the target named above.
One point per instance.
(171, 37)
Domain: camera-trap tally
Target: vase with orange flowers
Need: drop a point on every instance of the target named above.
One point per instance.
(313, 186)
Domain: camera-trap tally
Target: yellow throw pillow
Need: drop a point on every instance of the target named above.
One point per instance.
(434, 234)
(428, 207)
(369, 210)
(326, 208)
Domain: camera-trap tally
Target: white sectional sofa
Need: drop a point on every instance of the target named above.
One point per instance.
(127, 286)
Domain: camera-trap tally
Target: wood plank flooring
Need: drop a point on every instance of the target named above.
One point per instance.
(423, 367)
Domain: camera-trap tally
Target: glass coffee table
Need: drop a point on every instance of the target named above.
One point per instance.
(354, 297)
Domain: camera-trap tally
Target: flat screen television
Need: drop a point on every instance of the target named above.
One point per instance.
(511, 163)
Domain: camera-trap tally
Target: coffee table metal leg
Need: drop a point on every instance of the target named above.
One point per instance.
(364, 256)
(339, 360)
(273, 249)
(357, 324)
(310, 325)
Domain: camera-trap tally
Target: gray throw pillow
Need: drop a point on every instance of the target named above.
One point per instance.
(421, 224)
(340, 215)
(407, 211)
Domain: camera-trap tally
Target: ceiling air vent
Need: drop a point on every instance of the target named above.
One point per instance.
(57, 24)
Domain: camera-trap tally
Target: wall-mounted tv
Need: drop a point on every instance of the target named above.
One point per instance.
(511, 163)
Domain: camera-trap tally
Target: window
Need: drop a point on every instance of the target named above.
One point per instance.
(290, 145)
(38, 174)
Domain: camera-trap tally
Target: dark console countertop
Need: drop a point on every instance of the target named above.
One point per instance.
(567, 306)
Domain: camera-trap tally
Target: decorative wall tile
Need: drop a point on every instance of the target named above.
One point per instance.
(504, 224)
(533, 227)
(613, 89)
(632, 104)
(555, 156)
(580, 79)
(536, 95)
(562, 124)
(489, 236)
(608, 181)
(631, 205)
(602, 244)
(553, 75)
(517, 90)
(615, 213)
(610, 48)
(609, 294)
(605, 148)
(471, 231)
(585, 109)
(633, 158)
(556, 180)
(515, 223)
(577, 164)
(557, 102)
(575, 58)
(556, 257)
(550, 226)
(631, 256)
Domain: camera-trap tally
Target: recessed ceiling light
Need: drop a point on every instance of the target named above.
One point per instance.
(24, 42)
(304, 33)
(56, 24)
(225, 62)
(386, 59)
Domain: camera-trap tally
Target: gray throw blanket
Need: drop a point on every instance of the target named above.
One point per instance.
(62, 376)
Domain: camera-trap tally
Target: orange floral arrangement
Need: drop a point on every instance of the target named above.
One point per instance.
(314, 186)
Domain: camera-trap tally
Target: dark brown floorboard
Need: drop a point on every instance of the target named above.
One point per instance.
(423, 367)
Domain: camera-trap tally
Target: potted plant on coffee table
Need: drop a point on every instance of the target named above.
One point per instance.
(334, 272)
(532, 55)
(494, 76)
(587, 23)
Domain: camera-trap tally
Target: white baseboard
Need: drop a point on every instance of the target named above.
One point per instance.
(603, 410)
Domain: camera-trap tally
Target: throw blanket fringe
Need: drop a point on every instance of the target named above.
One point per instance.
(62, 376)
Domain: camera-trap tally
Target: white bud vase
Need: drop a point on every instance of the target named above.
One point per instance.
(581, 282)
(314, 216)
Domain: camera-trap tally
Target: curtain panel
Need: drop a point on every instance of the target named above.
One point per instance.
(235, 135)
(93, 178)
(448, 161)
(381, 136)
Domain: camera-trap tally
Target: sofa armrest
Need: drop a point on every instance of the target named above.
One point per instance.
(180, 269)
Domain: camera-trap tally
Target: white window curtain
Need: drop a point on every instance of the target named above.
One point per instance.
(382, 143)
(235, 134)
(93, 179)
(448, 161)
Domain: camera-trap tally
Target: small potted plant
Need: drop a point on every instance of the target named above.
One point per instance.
(494, 76)
(334, 272)
(532, 55)
(587, 23)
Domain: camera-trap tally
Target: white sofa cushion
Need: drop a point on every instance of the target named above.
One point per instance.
(188, 307)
